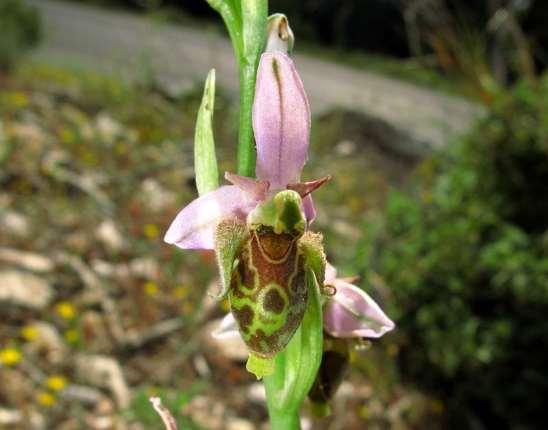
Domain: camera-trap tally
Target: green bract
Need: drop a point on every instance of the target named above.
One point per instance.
(205, 161)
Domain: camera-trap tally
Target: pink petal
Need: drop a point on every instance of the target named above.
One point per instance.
(194, 227)
(228, 328)
(352, 313)
(281, 121)
(309, 209)
(330, 273)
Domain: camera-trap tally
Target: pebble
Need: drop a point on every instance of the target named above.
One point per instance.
(232, 348)
(104, 372)
(108, 233)
(25, 290)
(26, 260)
(47, 342)
(14, 223)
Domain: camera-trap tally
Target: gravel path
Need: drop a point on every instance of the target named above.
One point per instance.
(180, 56)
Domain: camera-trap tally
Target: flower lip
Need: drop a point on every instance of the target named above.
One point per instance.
(349, 313)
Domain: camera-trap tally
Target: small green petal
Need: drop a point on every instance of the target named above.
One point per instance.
(229, 237)
(310, 244)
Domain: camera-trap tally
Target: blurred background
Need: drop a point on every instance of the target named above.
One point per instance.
(432, 117)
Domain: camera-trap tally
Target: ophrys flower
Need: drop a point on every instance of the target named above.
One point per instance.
(267, 258)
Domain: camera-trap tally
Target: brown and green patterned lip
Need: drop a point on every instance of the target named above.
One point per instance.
(264, 297)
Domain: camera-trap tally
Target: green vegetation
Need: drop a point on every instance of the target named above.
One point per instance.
(466, 260)
(20, 30)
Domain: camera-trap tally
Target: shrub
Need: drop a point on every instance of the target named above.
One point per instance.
(466, 259)
(20, 30)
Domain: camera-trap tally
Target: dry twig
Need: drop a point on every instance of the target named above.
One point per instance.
(167, 418)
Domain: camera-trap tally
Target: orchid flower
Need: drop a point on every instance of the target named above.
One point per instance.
(268, 260)
(272, 268)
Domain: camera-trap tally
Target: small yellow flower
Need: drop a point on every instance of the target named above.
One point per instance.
(18, 99)
(180, 292)
(29, 332)
(45, 399)
(10, 356)
(56, 383)
(150, 288)
(364, 412)
(151, 231)
(66, 310)
(67, 136)
(72, 336)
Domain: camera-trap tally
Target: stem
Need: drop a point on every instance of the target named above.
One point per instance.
(284, 421)
(297, 365)
(246, 143)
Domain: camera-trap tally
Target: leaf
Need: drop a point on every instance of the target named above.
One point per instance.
(205, 160)
(230, 11)
(229, 237)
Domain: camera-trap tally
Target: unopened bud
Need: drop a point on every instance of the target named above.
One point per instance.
(279, 37)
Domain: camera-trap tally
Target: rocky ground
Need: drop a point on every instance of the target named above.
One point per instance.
(98, 314)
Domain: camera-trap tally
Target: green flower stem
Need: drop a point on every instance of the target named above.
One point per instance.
(246, 142)
(254, 20)
(246, 22)
(285, 421)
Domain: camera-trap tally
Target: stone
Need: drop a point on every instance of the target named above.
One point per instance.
(345, 147)
(239, 424)
(108, 233)
(25, 290)
(108, 128)
(104, 268)
(232, 348)
(47, 342)
(10, 417)
(14, 224)
(104, 372)
(156, 197)
(256, 393)
(26, 260)
(144, 267)
(16, 386)
(206, 412)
